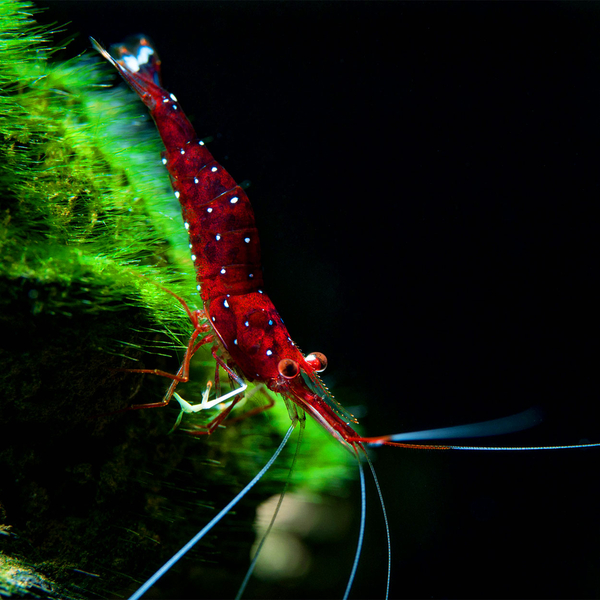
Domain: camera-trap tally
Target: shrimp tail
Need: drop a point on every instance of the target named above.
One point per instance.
(138, 63)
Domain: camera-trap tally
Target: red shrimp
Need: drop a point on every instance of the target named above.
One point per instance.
(251, 342)
(250, 336)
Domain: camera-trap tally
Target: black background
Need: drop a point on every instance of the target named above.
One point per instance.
(424, 178)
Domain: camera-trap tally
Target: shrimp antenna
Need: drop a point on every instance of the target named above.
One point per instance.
(264, 537)
(363, 511)
(361, 533)
(523, 420)
(146, 586)
(565, 447)
(281, 496)
(387, 525)
(518, 422)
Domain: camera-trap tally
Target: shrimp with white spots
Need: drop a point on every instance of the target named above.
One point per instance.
(250, 341)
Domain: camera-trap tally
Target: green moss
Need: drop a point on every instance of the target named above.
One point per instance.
(87, 222)
(79, 208)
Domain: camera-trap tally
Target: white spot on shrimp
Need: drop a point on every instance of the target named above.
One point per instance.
(234, 200)
(174, 106)
(247, 240)
(246, 324)
(260, 291)
(177, 194)
(225, 304)
(131, 63)
(194, 257)
(182, 151)
(172, 96)
(270, 321)
(165, 99)
(250, 275)
(214, 169)
(200, 143)
(198, 287)
(209, 210)
(144, 53)
(190, 246)
(164, 161)
(223, 271)
(218, 237)
(213, 319)
(235, 341)
(269, 352)
(186, 225)
(195, 180)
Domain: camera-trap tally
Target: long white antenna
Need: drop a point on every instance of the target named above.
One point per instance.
(361, 534)
(146, 586)
(264, 537)
(387, 527)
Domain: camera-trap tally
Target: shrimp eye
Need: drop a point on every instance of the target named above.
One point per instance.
(317, 361)
(288, 368)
